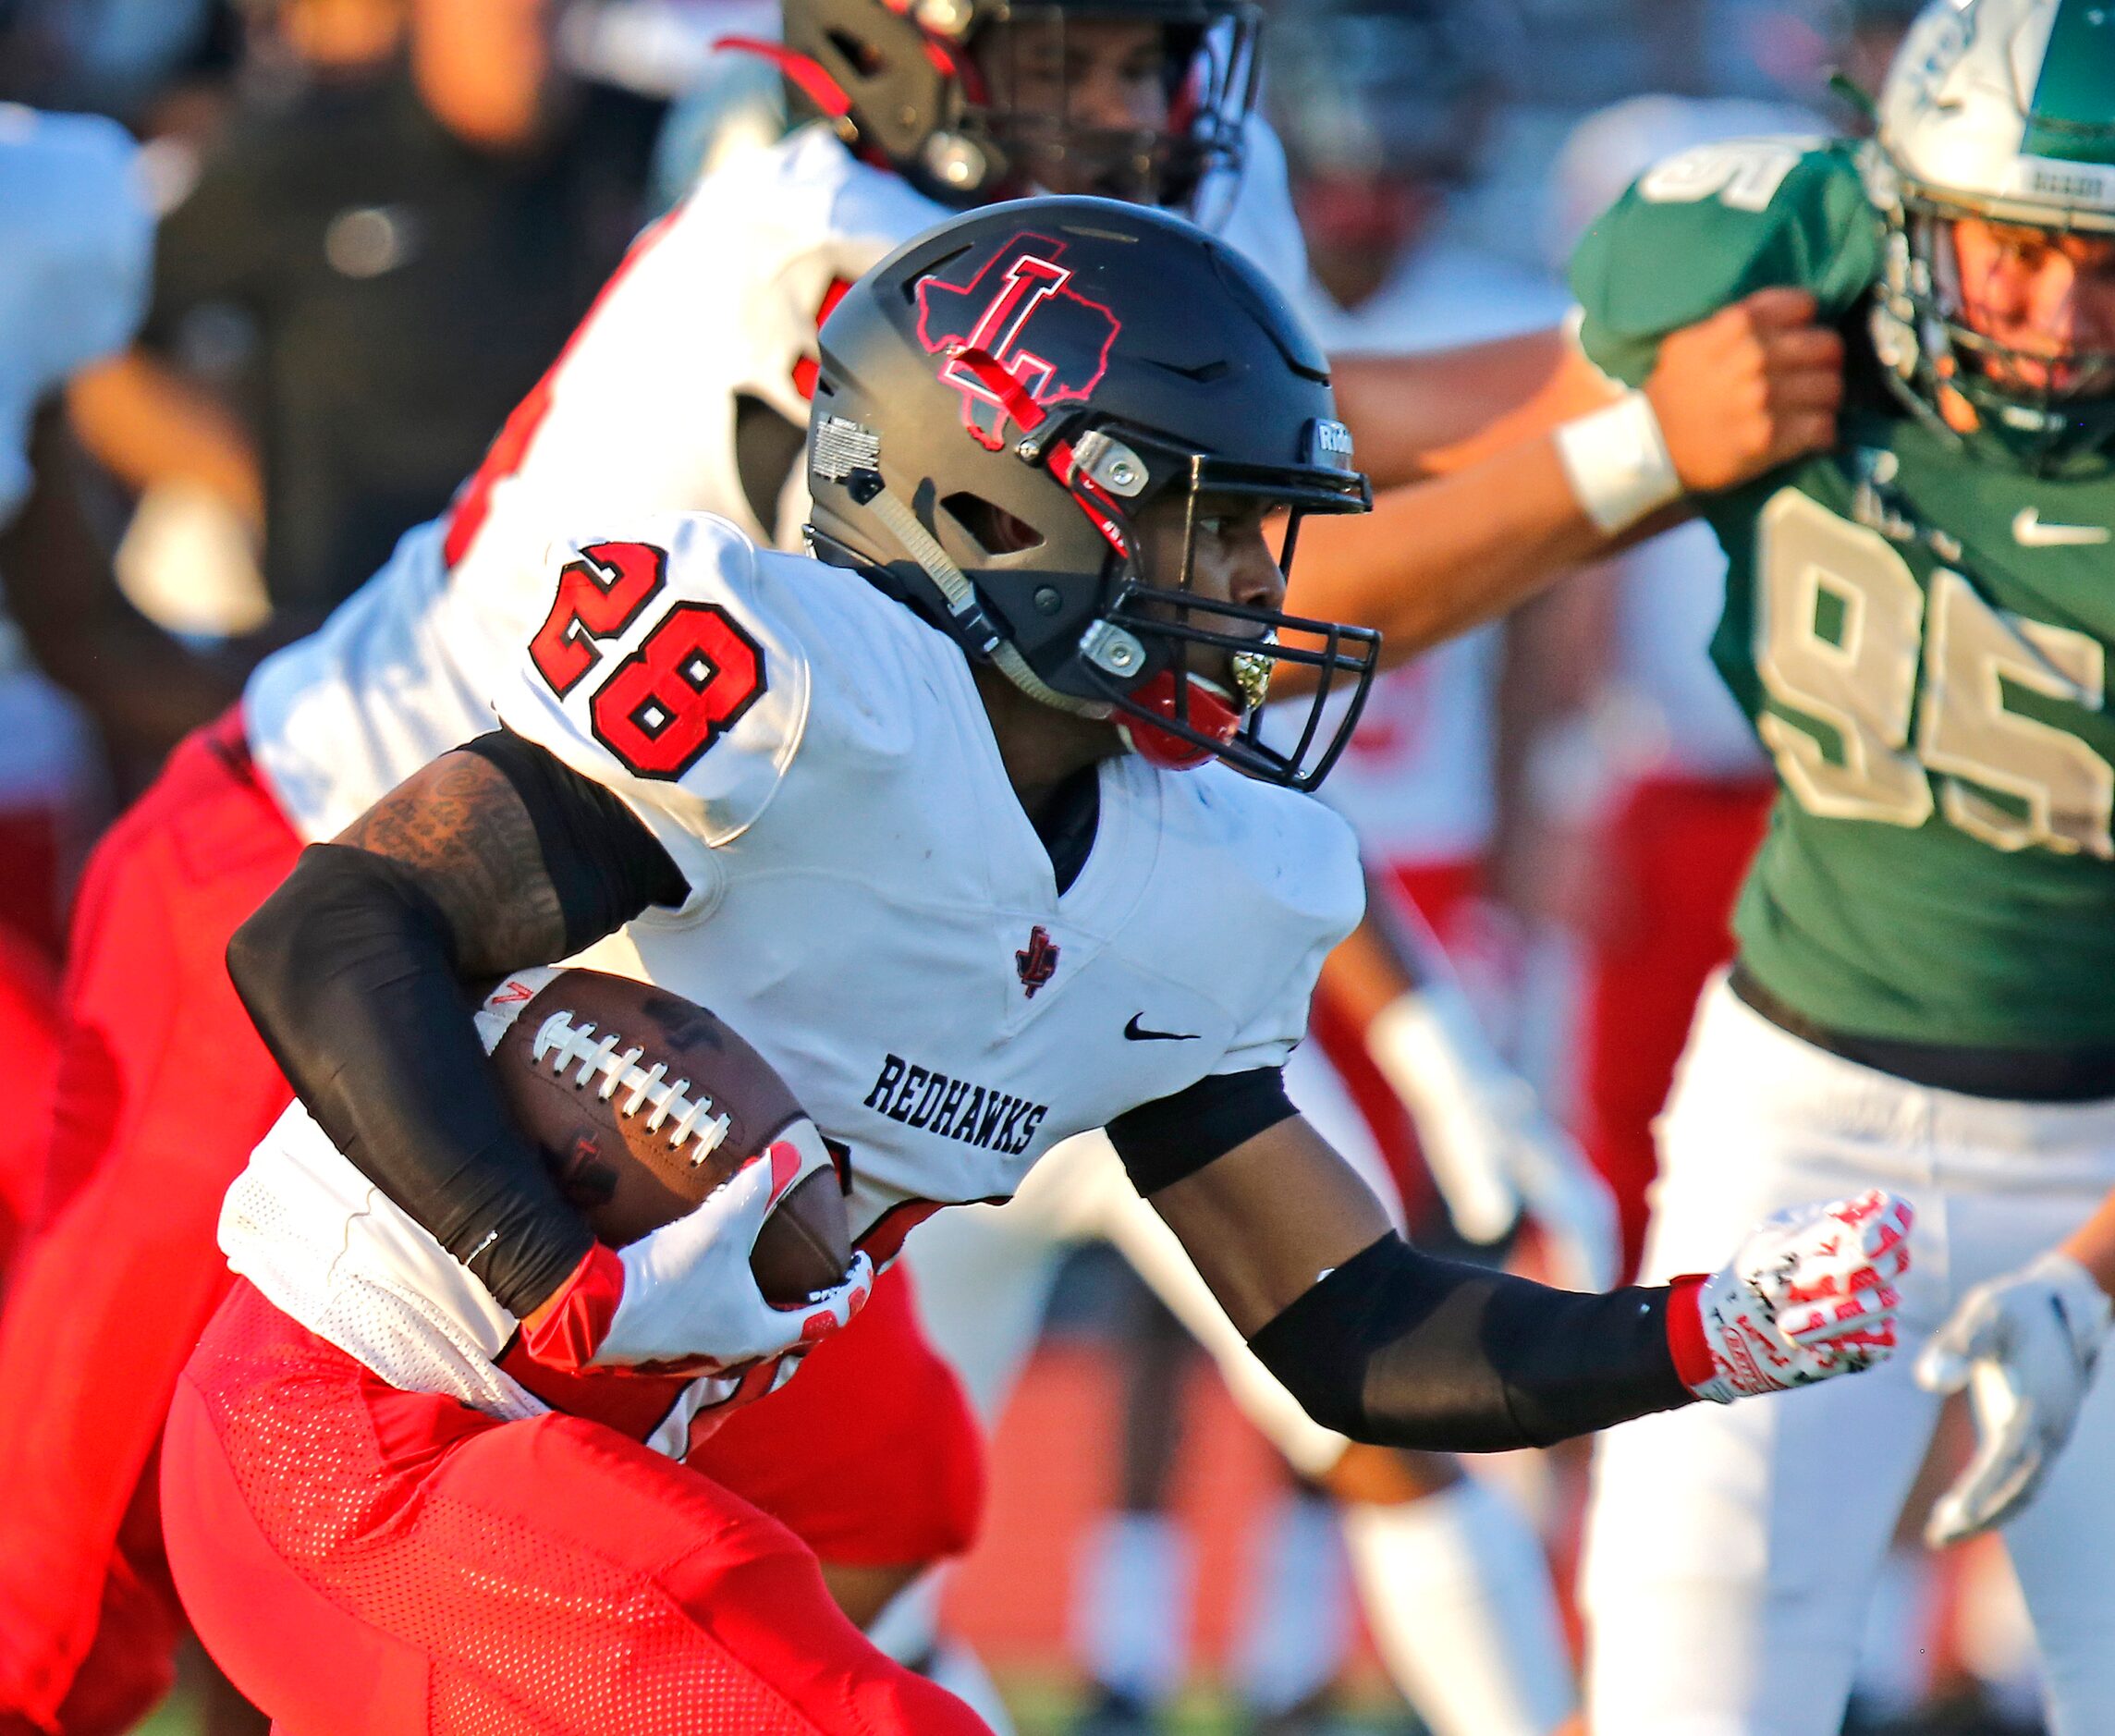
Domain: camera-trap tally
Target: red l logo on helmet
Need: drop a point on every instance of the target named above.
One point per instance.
(1018, 308)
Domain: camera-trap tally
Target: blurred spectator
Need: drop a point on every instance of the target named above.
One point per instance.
(1131, 1600)
(1868, 32)
(76, 234)
(411, 208)
(1383, 106)
(110, 56)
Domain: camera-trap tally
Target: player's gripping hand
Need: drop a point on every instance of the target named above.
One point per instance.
(2024, 1346)
(1754, 385)
(1484, 1136)
(683, 1298)
(1810, 1294)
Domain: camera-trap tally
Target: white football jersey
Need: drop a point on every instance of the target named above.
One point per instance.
(1418, 779)
(76, 242)
(717, 302)
(870, 907)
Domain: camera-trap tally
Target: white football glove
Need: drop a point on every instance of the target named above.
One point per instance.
(682, 1298)
(2024, 1346)
(1810, 1294)
(1490, 1147)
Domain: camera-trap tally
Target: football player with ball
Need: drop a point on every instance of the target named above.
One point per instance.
(927, 820)
(686, 388)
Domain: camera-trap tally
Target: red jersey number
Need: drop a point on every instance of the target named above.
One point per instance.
(685, 686)
(690, 680)
(599, 595)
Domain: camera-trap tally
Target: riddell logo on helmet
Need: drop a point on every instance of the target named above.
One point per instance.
(1018, 309)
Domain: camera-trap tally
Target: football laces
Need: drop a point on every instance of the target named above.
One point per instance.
(567, 1044)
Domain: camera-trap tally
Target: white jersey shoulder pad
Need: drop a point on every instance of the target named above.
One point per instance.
(688, 670)
(1284, 887)
(794, 224)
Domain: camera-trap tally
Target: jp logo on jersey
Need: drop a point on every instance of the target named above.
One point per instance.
(1018, 308)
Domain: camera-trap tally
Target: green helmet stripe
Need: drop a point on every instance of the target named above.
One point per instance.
(2073, 114)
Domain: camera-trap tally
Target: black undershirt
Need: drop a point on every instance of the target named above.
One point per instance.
(1068, 824)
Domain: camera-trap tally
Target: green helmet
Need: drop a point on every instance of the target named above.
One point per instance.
(2002, 110)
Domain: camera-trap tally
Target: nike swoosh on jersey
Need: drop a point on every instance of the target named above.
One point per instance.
(2029, 531)
(1139, 1033)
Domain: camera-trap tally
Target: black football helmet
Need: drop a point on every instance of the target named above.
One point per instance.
(997, 402)
(902, 81)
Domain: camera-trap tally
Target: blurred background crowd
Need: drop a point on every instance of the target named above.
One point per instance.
(378, 220)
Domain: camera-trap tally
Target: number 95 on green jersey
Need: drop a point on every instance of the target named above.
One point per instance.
(1919, 633)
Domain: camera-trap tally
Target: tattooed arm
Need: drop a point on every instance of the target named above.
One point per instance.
(356, 969)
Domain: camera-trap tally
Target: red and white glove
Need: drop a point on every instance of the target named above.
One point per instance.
(1810, 1294)
(682, 1299)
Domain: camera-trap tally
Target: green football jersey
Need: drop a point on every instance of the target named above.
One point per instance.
(1918, 629)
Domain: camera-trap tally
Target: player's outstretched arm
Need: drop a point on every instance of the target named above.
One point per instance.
(1734, 396)
(1407, 412)
(1391, 1346)
(493, 858)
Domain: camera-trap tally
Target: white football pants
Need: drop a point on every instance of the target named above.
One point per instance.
(1731, 1549)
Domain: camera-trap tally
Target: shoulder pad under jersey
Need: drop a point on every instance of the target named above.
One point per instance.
(659, 672)
(1286, 889)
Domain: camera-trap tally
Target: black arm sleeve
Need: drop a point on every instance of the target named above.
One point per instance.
(349, 972)
(1401, 1350)
(1163, 1141)
(603, 862)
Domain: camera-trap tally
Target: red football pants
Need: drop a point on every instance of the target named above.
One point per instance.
(35, 885)
(1678, 848)
(162, 1087)
(369, 1562)
(873, 1457)
(165, 1090)
(29, 1038)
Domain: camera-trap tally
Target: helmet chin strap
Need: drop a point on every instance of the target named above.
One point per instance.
(1211, 714)
(961, 598)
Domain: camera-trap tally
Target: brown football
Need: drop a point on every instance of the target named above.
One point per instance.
(642, 1103)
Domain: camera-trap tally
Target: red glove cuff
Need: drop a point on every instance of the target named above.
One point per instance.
(1693, 1363)
(568, 1327)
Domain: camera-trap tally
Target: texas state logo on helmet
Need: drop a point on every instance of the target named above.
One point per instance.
(2001, 111)
(1000, 399)
(1018, 311)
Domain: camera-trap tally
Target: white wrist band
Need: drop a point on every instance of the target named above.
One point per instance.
(1616, 463)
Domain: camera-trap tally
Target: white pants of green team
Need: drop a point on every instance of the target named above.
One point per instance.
(1732, 1550)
